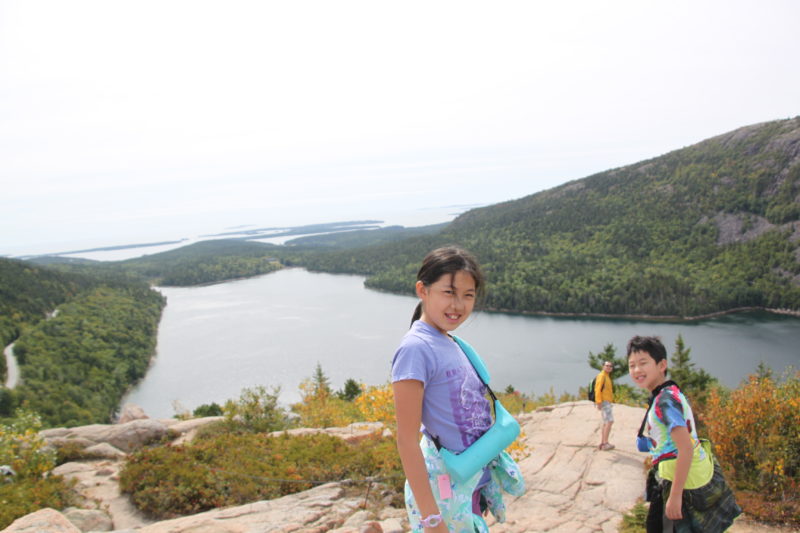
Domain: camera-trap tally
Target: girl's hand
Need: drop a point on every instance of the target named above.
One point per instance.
(673, 508)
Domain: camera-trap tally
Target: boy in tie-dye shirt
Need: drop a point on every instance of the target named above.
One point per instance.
(680, 461)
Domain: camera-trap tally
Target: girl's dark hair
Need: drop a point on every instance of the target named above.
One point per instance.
(449, 260)
(651, 345)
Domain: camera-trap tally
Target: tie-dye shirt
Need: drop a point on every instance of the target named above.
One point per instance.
(670, 409)
(454, 407)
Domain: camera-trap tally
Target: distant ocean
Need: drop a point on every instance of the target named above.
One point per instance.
(107, 250)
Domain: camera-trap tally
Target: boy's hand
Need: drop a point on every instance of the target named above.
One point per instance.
(673, 508)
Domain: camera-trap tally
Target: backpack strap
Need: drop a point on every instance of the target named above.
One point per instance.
(651, 400)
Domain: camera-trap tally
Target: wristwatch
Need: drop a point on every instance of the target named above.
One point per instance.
(431, 520)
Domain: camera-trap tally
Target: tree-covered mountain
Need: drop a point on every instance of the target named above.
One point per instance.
(76, 364)
(205, 262)
(196, 264)
(364, 237)
(28, 292)
(706, 228)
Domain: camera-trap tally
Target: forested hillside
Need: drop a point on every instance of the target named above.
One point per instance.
(205, 262)
(28, 292)
(77, 363)
(707, 228)
(196, 264)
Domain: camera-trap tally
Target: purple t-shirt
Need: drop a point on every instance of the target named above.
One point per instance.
(454, 407)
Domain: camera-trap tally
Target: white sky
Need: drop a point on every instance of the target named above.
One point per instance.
(130, 121)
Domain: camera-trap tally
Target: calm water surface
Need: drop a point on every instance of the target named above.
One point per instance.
(273, 330)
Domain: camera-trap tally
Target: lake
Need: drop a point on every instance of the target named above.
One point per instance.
(273, 330)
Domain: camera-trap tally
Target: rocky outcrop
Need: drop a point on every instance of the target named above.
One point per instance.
(125, 437)
(42, 521)
(572, 487)
(131, 412)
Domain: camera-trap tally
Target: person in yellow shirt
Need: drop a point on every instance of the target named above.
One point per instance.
(603, 398)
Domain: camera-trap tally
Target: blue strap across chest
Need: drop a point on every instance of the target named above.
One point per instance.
(475, 359)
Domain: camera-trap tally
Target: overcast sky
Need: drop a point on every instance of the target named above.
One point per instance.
(128, 121)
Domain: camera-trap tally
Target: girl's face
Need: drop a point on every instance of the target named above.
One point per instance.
(448, 301)
(644, 370)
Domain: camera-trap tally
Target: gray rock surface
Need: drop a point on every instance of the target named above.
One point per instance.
(42, 521)
(131, 412)
(89, 519)
(572, 487)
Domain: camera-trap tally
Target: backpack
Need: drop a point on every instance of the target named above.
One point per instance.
(590, 392)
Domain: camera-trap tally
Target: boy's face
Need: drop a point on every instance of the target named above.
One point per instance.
(644, 370)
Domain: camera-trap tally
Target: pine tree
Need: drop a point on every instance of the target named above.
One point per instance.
(693, 383)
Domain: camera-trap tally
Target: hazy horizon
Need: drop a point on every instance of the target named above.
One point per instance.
(129, 122)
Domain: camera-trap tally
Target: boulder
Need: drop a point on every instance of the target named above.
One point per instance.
(185, 426)
(69, 441)
(322, 508)
(131, 412)
(42, 521)
(392, 525)
(105, 450)
(126, 437)
(89, 519)
(357, 519)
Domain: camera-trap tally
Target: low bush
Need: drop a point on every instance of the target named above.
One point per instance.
(756, 434)
(376, 404)
(25, 452)
(212, 409)
(25, 496)
(256, 410)
(234, 469)
(634, 521)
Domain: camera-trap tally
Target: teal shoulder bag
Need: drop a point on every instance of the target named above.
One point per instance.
(462, 466)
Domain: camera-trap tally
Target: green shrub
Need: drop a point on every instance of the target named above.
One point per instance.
(256, 410)
(25, 496)
(634, 520)
(233, 469)
(24, 451)
(212, 409)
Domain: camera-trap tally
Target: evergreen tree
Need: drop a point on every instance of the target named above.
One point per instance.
(351, 390)
(321, 383)
(609, 353)
(693, 383)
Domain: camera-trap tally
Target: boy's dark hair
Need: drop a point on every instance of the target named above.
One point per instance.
(651, 345)
(448, 260)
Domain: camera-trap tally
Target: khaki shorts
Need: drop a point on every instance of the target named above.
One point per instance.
(605, 410)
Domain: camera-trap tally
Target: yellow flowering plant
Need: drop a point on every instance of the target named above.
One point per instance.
(22, 449)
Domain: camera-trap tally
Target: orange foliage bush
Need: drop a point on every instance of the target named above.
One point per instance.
(756, 434)
(320, 408)
(376, 404)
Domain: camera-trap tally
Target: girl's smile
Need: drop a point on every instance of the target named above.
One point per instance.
(448, 301)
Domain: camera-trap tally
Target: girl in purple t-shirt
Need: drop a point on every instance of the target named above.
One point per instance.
(434, 384)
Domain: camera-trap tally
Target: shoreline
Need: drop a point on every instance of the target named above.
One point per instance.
(648, 318)
(632, 316)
